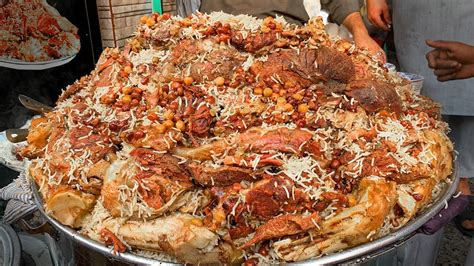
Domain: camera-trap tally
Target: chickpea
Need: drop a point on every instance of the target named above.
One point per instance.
(126, 90)
(288, 107)
(289, 84)
(281, 100)
(267, 92)
(127, 99)
(219, 81)
(143, 19)
(168, 123)
(280, 107)
(275, 97)
(168, 115)
(135, 95)
(258, 91)
(282, 92)
(150, 22)
(303, 108)
(276, 87)
(152, 116)
(297, 96)
(161, 128)
(335, 164)
(127, 69)
(180, 125)
(188, 81)
(175, 85)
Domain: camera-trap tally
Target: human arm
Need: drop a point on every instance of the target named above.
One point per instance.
(451, 60)
(379, 14)
(354, 23)
(346, 12)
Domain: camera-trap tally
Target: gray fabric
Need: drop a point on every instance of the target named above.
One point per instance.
(470, 254)
(462, 134)
(187, 7)
(292, 10)
(340, 9)
(416, 21)
(20, 199)
(419, 250)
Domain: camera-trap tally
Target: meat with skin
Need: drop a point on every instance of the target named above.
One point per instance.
(307, 66)
(375, 95)
(255, 139)
(219, 61)
(271, 196)
(254, 42)
(222, 176)
(285, 225)
(161, 163)
(281, 139)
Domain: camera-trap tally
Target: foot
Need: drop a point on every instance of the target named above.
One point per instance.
(465, 190)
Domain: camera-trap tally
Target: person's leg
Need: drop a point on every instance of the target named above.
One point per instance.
(470, 254)
(462, 134)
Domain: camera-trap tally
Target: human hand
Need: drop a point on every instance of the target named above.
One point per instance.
(379, 14)
(458, 51)
(365, 41)
(451, 60)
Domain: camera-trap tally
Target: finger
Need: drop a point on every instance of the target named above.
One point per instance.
(444, 72)
(379, 22)
(447, 77)
(431, 57)
(445, 45)
(386, 15)
(445, 64)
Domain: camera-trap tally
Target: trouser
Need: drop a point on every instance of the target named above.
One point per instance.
(420, 250)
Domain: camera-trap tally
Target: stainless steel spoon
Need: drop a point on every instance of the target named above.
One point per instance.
(34, 105)
(16, 135)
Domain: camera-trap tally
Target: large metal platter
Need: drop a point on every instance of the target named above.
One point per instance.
(355, 254)
(40, 65)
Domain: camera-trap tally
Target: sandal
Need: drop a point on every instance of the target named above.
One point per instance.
(467, 214)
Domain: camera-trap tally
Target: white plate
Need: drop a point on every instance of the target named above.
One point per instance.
(24, 65)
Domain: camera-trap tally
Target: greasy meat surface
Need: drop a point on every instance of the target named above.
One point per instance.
(222, 176)
(375, 95)
(220, 139)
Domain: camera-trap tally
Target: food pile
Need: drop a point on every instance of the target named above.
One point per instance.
(32, 30)
(220, 138)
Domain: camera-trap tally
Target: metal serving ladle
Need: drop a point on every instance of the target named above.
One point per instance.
(34, 105)
(16, 135)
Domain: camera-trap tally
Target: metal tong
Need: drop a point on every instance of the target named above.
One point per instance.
(16, 135)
